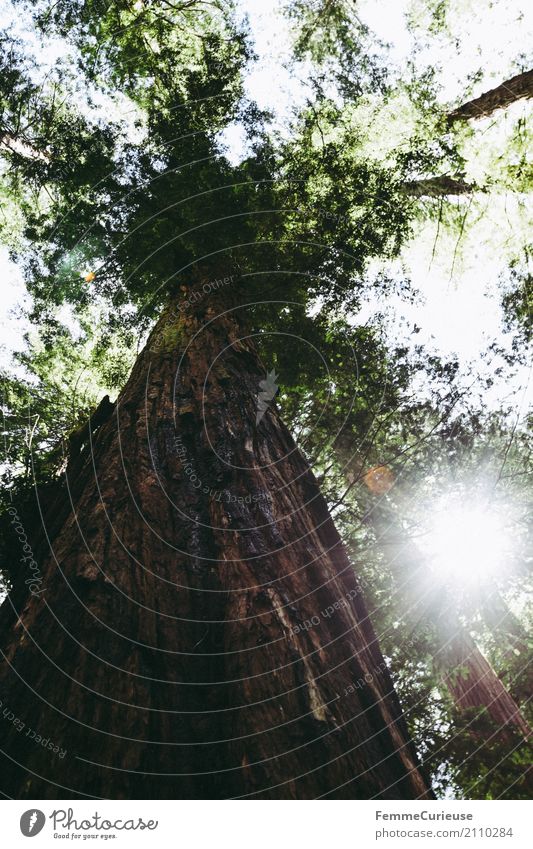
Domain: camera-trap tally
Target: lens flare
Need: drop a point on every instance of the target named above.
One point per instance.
(466, 543)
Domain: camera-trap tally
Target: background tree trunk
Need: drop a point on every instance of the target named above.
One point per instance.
(466, 673)
(199, 631)
(502, 621)
(513, 641)
(503, 95)
(471, 680)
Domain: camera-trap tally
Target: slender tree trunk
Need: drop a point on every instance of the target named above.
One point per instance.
(471, 680)
(512, 640)
(501, 620)
(518, 87)
(436, 187)
(198, 628)
(466, 673)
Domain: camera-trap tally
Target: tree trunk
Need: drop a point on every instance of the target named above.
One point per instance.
(436, 187)
(198, 631)
(467, 675)
(512, 640)
(516, 88)
(502, 621)
(471, 680)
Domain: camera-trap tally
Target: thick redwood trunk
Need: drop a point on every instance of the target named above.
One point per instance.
(200, 632)
(518, 87)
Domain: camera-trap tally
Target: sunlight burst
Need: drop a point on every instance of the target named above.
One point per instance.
(467, 544)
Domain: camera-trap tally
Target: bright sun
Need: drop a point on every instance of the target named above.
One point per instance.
(466, 544)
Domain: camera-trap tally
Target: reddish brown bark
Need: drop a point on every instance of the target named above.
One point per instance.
(473, 683)
(516, 88)
(512, 641)
(175, 650)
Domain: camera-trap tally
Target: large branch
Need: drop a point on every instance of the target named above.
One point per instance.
(508, 92)
(439, 186)
(19, 145)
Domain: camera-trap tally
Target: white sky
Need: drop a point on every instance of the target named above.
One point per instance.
(457, 316)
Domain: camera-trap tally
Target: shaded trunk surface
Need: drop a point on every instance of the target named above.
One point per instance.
(198, 627)
(518, 87)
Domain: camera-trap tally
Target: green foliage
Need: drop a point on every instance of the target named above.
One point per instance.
(517, 304)
(480, 764)
(332, 36)
(60, 379)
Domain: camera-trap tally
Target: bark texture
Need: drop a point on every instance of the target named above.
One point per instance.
(518, 87)
(198, 627)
